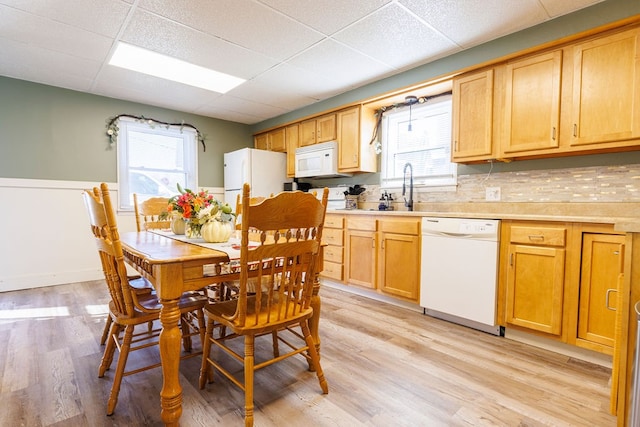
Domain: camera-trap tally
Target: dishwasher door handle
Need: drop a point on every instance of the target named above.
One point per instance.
(447, 234)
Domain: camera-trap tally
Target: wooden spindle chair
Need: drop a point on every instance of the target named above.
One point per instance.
(128, 308)
(285, 263)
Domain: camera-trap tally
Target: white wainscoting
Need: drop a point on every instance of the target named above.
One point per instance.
(44, 233)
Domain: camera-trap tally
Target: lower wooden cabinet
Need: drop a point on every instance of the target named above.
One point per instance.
(535, 277)
(360, 246)
(383, 254)
(399, 255)
(561, 280)
(602, 267)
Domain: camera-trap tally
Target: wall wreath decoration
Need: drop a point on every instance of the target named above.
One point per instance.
(112, 127)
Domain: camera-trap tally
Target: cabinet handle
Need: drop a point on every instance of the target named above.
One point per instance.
(575, 129)
(511, 259)
(606, 300)
(553, 133)
(536, 237)
(455, 145)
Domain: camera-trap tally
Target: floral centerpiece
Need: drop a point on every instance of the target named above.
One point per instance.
(196, 209)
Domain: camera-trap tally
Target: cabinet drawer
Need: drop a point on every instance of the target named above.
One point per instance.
(332, 270)
(401, 226)
(361, 223)
(333, 236)
(333, 221)
(540, 236)
(333, 253)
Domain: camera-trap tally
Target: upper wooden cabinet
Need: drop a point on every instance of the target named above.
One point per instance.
(355, 154)
(274, 140)
(605, 106)
(473, 117)
(319, 129)
(532, 104)
(582, 97)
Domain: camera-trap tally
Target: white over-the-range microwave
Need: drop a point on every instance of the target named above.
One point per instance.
(318, 161)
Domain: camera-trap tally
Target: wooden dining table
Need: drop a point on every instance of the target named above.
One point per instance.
(175, 267)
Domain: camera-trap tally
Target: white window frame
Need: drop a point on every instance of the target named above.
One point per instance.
(190, 152)
(443, 181)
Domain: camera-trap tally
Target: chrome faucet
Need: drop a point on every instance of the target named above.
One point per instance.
(408, 204)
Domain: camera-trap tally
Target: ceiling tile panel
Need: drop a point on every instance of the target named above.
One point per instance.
(28, 61)
(51, 35)
(557, 8)
(341, 64)
(287, 78)
(327, 16)
(98, 16)
(399, 49)
(167, 37)
(256, 26)
(470, 22)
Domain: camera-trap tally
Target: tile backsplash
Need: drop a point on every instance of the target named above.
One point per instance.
(584, 184)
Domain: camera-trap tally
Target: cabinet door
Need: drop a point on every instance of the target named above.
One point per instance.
(602, 264)
(307, 133)
(535, 285)
(360, 262)
(348, 123)
(532, 103)
(277, 140)
(261, 142)
(326, 128)
(473, 116)
(291, 138)
(399, 265)
(606, 89)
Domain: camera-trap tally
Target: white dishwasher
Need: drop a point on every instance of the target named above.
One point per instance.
(459, 271)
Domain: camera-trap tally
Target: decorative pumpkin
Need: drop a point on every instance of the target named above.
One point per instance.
(177, 224)
(217, 231)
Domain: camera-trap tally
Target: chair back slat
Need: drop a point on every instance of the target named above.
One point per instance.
(282, 266)
(102, 219)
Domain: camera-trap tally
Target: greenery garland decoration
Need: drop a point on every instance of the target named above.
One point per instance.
(113, 129)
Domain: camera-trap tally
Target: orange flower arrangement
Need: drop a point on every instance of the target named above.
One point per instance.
(189, 203)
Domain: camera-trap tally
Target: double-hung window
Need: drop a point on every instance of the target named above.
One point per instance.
(152, 160)
(421, 136)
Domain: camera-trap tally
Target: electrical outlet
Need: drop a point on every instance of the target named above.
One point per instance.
(492, 194)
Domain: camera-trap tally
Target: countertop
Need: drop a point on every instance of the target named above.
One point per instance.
(625, 216)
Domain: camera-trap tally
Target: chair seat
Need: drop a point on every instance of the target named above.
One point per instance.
(222, 311)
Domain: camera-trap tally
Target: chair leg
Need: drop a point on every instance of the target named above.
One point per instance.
(186, 339)
(107, 356)
(315, 357)
(206, 373)
(122, 363)
(202, 327)
(276, 349)
(105, 333)
(249, 341)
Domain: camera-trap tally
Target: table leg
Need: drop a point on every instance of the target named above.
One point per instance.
(170, 342)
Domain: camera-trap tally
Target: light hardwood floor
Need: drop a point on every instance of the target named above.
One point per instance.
(386, 366)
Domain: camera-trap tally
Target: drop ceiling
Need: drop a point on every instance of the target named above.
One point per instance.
(292, 53)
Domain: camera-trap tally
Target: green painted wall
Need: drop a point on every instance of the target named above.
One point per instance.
(58, 134)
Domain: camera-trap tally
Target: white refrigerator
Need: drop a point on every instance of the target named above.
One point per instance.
(265, 171)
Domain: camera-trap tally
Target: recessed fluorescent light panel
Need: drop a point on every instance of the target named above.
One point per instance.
(163, 66)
